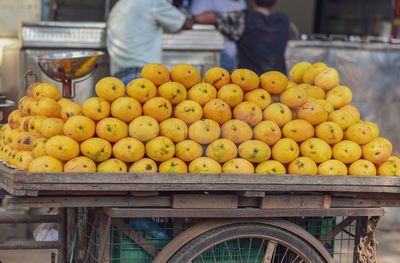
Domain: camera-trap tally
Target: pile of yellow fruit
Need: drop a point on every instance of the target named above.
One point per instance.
(175, 121)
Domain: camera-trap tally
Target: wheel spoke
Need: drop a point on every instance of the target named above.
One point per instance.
(294, 261)
(271, 247)
(239, 250)
(229, 251)
(259, 250)
(213, 252)
(249, 250)
(284, 255)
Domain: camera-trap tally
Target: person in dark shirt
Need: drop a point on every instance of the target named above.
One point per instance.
(260, 35)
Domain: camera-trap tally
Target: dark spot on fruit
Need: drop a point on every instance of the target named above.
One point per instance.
(148, 167)
(345, 150)
(377, 153)
(46, 165)
(129, 107)
(237, 166)
(129, 147)
(262, 97)
(60, 148)
(114, 88)
(99, 110)
(204, 165)
(253, 108)
(80, 127)
(282, 111)
(120, 169)
(299, 97)
(143, 86)
(242, 79)
(159, 72)
(84, 166)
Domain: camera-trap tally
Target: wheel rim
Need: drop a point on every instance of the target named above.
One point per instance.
(250, 249)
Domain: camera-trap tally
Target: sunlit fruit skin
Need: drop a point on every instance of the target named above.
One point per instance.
(278, 113)
(222, 150)
(260, 97)
(126, 109)
(217, 77)
(141, 89)
(332, 167)
(144, 128)
(189, 111)
(299, 130)
(268, 132)
(185, 74)
(359, 133)
(297, 71)
(45, 164)
(217, 110)
(270, 167)
(128, 150)
(204, 165)
(312, 112)
(285, 150)
(96, 108)
(112, 165)
(378, 150)
(343, 118)
(237, 131)
(110, 88)
(330, 132)
(204, 131)
(310, 74)
(156, 73)
(303, 165)
(362, 167)
(62, 147)
(175, 129)
(238, 166)
(97, 149)
(274, 82)
(231, 94)
(246, 79)
(79, 128)
(159, 108)
(188, 150)
(339, 96)
(80, 164)
(112, 129)
(389, 168)
(316, 149)
(294, 97)
(174, 92)
(346, 151)
(202, 93)
(327, 78)
(160, 149)
(249, 112)
(173, 165)
(145, 165)
(254, 151)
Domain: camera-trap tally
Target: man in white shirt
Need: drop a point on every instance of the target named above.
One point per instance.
(228, 55)
(134, 34)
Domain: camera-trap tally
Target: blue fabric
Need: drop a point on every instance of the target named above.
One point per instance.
(228, 62)
(129, 74)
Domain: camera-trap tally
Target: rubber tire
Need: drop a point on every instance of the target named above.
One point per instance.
(213, 237)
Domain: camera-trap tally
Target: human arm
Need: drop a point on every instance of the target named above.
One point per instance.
(169, 17)
(207, 17)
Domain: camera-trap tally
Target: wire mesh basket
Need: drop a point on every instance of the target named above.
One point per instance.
(138, 240)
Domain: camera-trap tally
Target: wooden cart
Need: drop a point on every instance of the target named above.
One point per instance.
(207, 217)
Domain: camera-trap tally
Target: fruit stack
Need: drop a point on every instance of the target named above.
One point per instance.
(174, 121)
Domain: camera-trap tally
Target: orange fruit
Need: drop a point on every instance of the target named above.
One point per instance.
(112, 165)
(79, 128)
(175, 129)
(353, 110)
(80, 164)
(62, 147)
(332, 167)
(339, 96)
(362, 167)
(126, 109)
(185, 74)
(249, 112)
(302, 165)
(14, 118)
(312, 112)
(189, 111)
(278, 113)
(259, 96)
(222, 150)
(346, 151)
(285, 150)
(374, 128)
(96, 108)
(145, 165)
(35, 123)
(329, 131)
(51, 127)
(231, 94)
(110, 88)
(254, 151)
(359, 133)
(128, 150)
(144, 128)
(268, 132)
(237, 131)
(160, 149)
(49, 108)
(188, 150)
(111, 129)
(217, 77)
(204, 165)
(23, 159)
(299, 130)
(238, 166)
(204, 131)
(316, 149)
(174, 92)
(294, 97)
(246, 79)
(156, 73)
(45, 164)
(378, 150)
(327, 78)
(217, 110)
(141, 89)
(46, 90)
(297, 71)
(159, 108)
(202, 93)
(343, 118)
(38, 147)
(96, 149)
(314, 92)
(270, 167)
(310, 74)
(274, 82)
(173, 165)
(70, 110)
(389, 168)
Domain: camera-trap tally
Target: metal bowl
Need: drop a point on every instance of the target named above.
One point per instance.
(69, 65)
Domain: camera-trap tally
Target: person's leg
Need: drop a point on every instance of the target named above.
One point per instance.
(129, 74)
(228, 62)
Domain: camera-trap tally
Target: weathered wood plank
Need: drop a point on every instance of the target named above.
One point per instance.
(268, 187)
(240, 213)
(295, 201)
(100, 201)
(204, 201)
(251, 193)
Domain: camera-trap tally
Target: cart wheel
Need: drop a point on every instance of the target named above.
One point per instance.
(247, 242)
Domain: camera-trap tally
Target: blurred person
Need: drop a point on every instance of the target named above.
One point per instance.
(228, 54)
(260, 34)
(134, 34)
